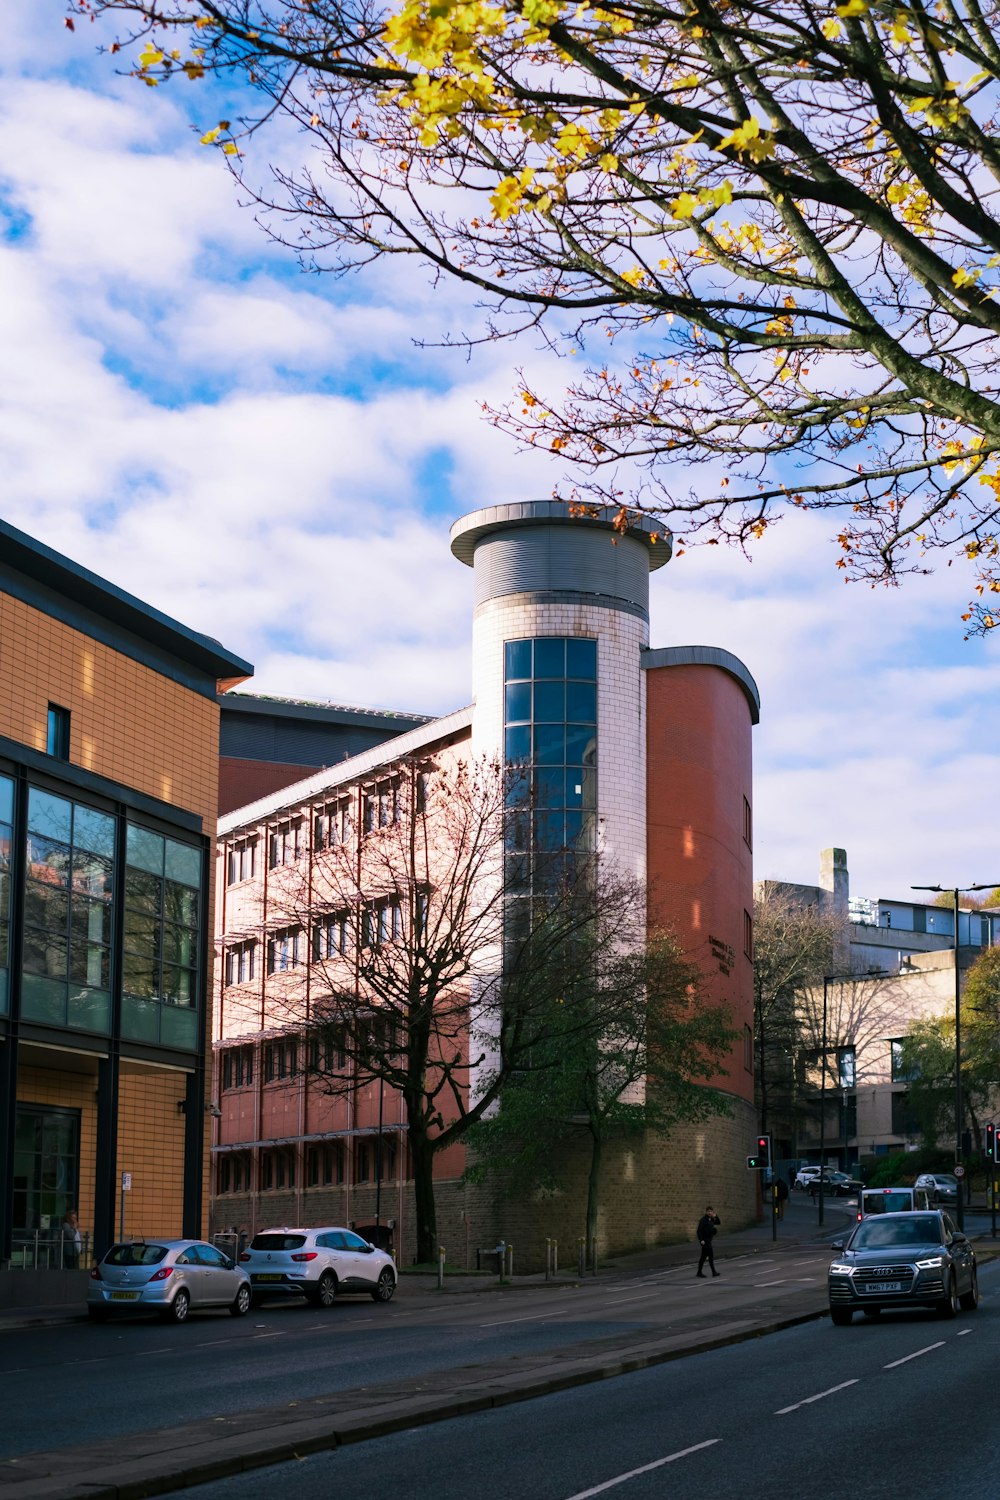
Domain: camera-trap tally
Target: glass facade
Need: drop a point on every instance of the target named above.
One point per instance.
(67, 913)
(163, 896)
(6, 836)
(46, 1167)
(550, 733)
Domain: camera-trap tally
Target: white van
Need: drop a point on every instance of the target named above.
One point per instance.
(891, 1200)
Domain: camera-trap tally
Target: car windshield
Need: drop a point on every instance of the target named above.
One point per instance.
(879, 1234)
(888, 1203)
(945, 1178)
(277, 1241)
(135, 1255)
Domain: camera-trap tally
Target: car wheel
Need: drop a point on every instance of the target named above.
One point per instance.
(872, 1312)
(326, 1291)
(970, 1299)
(841, 1316)
(385, 1286)
(949, 1307)
(180, 1307)
(240, 1305)
(97, 1314)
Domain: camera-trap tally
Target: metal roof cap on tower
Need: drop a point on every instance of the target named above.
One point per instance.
(469, 530)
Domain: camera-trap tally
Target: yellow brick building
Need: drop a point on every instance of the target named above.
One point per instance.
(109, 735)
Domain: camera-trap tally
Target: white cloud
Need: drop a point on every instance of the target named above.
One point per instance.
(271, 460)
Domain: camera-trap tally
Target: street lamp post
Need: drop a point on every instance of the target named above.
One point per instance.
(956, 891)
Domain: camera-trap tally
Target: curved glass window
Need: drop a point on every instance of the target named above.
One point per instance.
(163, 896)
(550, 731)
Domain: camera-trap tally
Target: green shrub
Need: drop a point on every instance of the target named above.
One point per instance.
(902, 1168)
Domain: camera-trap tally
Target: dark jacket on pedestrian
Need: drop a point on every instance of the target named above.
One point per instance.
(707, 1225)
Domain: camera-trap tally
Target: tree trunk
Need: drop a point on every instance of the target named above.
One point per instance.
(425, 1208)
(593, 1195)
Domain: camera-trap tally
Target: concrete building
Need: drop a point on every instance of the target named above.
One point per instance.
(896, 966)
(108, 783)
(643, 755)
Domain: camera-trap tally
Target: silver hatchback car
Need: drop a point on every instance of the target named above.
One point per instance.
(169, 1277)
(317, 1264)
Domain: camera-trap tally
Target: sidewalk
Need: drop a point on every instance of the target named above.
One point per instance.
(155, 1463)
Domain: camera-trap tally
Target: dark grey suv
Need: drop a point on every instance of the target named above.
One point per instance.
(903, 1260)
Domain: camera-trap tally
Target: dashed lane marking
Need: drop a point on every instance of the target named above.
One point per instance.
(808, 1401)
(609, 1484)
(916, 1355)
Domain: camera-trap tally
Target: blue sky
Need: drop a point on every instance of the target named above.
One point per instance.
(267, 456)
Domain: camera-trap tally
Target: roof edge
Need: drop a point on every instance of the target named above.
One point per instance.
(706, 656)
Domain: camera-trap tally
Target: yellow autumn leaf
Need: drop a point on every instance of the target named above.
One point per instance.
(853, 8)
(231, 148)
(150, 56)
(831, 29)
(211, 136)
(684, 206)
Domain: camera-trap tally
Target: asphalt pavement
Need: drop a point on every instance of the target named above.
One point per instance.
(764, 1286)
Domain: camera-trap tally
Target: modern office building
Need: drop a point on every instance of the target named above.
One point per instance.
(109, 725)
(640, 754)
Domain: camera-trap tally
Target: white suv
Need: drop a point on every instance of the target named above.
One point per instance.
(317, 1264)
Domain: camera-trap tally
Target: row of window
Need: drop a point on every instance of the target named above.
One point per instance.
(380, 922)
(281, 1059)
(333, 827)
(372, 1159)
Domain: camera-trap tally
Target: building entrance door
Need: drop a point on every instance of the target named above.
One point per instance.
(46, 1176)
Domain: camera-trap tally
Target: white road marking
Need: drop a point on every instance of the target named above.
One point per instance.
(963, 1333)
(529, 1318)
(609, 1484)
(642, 1297)
(818, 1397)
(773, 1283)
(907, 1357)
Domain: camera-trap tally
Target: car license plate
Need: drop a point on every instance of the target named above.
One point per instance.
(266, 1276)
(124, 1296)
(883, 1286)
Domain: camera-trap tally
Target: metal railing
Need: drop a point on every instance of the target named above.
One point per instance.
(40, 1250)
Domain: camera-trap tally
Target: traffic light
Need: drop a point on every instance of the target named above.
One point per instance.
(761, 1158)
(991, 1141)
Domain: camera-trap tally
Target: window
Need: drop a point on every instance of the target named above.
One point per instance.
(163, 906)
(748, 935)
(241, 963)
(234, 1172)
(748, 1049)
(332, 825)
(904, 1120)
(285, 844)
(327, 1053)
(381, 922)
(281, 1060)
(747, 823)
(241, 861)
(364, 1161)
(330, 937)
(57, 732)
(550, 733)
(380, 805)
(46, 1168)
(847, 1067)
(6, 850)
(325, 1165)
(70, 862)
(237, 1068)
(284, 950)
(900, 1073)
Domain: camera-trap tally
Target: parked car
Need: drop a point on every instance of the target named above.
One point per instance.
(903, 1260)
(317, 1264)
(169, 1277)
(807, 1178)
(940, 1187)
(841, 1185)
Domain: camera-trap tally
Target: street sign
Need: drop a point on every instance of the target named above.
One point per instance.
(960, 1171)
(126, 1182)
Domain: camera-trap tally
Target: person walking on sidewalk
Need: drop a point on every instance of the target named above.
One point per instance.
(707, 1225)
(781, 1194)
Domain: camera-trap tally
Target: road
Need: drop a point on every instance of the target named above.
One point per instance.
(899, 1406)
(72, 1385)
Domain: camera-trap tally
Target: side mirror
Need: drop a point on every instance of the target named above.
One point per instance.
(959, 1238)
(837, 1245)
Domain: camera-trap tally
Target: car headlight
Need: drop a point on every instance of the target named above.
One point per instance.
(839, 1268)
(931, 1263)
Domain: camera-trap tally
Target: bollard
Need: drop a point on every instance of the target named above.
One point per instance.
(510, 1262)
(548, 1259)
(555, 1257)
(441, 1253)
(501, 1260)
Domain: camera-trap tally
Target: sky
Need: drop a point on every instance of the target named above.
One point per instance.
(269, 457)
